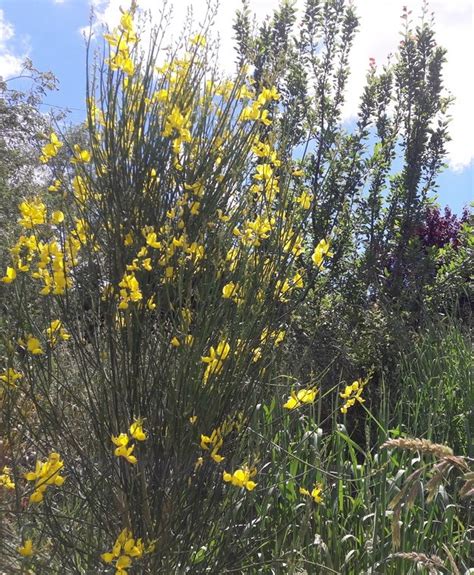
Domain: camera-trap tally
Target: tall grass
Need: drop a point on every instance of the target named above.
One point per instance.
(436, 388)
(392, 510)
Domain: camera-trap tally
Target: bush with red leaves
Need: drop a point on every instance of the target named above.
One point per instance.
(439, 230)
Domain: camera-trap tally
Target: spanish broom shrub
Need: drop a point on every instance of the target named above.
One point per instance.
(164, 263)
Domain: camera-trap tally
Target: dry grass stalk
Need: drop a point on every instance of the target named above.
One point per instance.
(421, 445)
(430, 562)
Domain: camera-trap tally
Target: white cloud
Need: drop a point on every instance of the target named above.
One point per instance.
(377, 37)
(10, 62)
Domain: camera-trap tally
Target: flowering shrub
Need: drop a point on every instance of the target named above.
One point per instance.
(165, 257)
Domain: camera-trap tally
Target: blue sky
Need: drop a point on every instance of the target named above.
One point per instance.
(48, 31)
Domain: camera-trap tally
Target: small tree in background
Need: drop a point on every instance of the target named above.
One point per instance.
(369, 183)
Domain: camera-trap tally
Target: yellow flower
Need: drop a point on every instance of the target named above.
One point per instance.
(6, 479)
(33, 345)
(120, 440)
(56, 332)
(10, 275)
(123, 562)
(136, 430)
(36, 496)
(316, 493)
(55, 186)
(304, 396)
(122, 449)
(33, 213)
(215, 359)
(126, 22)
(175, 342)
(194, 208)
(124, 550)
(199, 40)
(81, 191)
(46, 473)
(51, 149)
(276, 336)
(229, 291)
(321, 251)
(57, 217)
(126, 453)
(214, 442)
(297, 173)
(10, 376)
(352, 393)
(130, 291)
(241, 478)
(264, 172)
(107, 557)
(146, 264)
(304, 200)
(177, 123)
(151, 240)
(80, 156)
(26, 550)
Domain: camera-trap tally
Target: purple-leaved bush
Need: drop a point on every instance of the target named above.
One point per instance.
(439, 230)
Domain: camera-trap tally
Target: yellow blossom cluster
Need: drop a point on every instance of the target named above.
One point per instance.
(33, 345)
(284, 288)
(10, 376)
(255, 231)
(292, 242)
(215, 359)
(187, 340)
(121, 41)
(241, 478)
(129, 290)
(233, 292)
(47, 261)
(315, 493)
(256, 111)
(51, 149)
(10, 275)
(125, 550)
(352, 393)
(321, 251)
(27, 549)
(56, 332)
(33, 213)
(55, 186)
(304, 200)
(268, 337)
(46, 473)
(122, 441)
(301, 397)
(80, 156)
(162, 250)
(6, 480)
(177, 126)
(213, 443)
